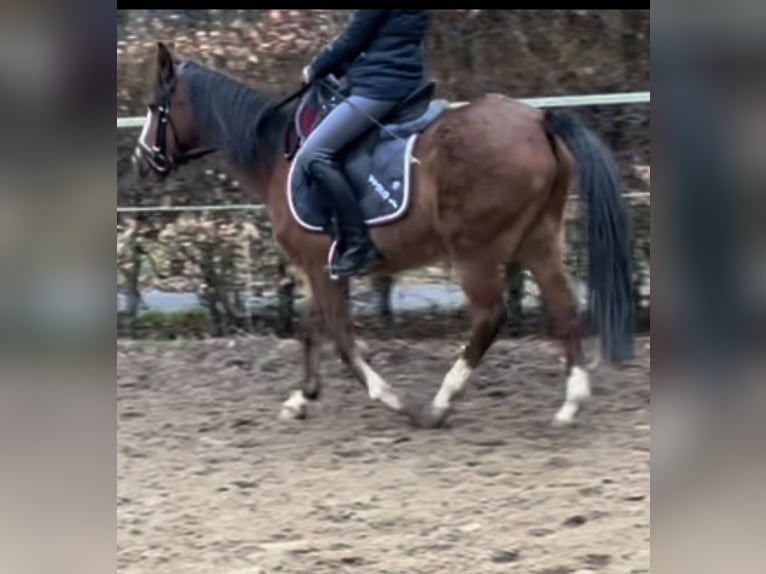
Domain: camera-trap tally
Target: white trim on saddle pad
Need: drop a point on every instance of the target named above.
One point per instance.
(370, 222)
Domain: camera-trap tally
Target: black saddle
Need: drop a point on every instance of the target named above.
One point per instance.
(413, 106)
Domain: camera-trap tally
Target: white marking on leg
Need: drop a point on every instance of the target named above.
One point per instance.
(145, 129)
(453, 384)
(578, 390)
(378, 388)
(294, 407)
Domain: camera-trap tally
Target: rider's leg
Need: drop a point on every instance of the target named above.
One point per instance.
(349, 120)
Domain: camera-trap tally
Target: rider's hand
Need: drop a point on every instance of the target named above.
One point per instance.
(306, 75)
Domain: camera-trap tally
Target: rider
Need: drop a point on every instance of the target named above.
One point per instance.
(381, 54)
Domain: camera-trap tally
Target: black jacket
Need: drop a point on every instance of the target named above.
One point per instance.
(380, 52)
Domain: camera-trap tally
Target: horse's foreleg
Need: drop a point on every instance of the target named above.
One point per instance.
(542, 254)
(376, 386)
(311, 386)
(333, 296)
(483, 287)
(341, 327)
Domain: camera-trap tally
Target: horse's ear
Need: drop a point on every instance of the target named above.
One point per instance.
(165, 66)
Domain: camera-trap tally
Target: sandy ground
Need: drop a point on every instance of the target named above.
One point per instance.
(210, 481)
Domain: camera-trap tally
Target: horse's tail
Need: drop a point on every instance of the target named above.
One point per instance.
(609, 251)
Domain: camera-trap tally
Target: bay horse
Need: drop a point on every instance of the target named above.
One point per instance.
(489, 185)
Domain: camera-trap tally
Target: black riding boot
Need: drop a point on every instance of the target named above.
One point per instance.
(359, 255)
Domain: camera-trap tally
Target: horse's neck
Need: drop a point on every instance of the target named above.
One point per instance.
(230, 113)
(246, 127)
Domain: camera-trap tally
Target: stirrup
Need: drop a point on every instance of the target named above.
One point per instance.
(373, 259)
(331, 255)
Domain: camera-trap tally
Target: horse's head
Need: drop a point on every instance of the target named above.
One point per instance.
(169, 134)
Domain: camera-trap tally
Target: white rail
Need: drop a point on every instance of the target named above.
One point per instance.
(190, 208)
(548, 102)
(259, 207)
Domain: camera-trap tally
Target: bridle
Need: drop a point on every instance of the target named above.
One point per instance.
(157, 155)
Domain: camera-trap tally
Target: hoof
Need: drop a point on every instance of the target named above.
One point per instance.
(294, 408)
(289, 413)
(560, 422)
(565, 416)
(427, 417)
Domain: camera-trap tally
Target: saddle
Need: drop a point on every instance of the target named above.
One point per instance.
(330, 91)
(377, 164)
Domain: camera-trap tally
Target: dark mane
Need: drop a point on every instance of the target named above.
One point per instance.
(235, 118)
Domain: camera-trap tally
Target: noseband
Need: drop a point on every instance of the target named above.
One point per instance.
(157, 155)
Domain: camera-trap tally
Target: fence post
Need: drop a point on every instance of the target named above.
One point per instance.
(133, 295)
(134, 278)
(211, 293)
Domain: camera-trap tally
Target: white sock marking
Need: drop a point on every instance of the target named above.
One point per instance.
(145, 130)
(294, 407)
(578, 390)
(453, 383)
(378, 388)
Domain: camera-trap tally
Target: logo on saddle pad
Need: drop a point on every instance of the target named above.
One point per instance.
(381, 190)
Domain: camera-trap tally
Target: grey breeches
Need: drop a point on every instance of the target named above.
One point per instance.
(345, 123)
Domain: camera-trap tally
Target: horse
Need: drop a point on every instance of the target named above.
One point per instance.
(486, 182)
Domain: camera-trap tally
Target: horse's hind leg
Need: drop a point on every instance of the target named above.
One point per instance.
(541, 252)
(483, 286)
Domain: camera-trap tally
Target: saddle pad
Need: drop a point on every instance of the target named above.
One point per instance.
(381, 181)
